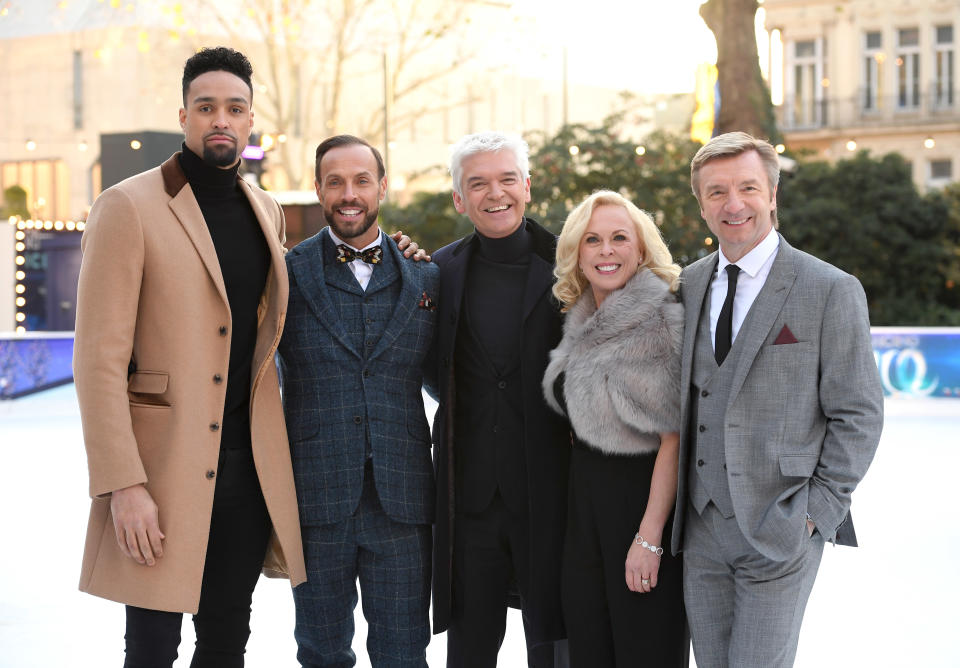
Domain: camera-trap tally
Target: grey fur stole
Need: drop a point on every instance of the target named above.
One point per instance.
(622, 365)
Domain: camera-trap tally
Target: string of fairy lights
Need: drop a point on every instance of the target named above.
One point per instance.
(20, 259)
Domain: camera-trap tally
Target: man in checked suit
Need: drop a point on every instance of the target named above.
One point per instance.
(781, 414)
(359, 324)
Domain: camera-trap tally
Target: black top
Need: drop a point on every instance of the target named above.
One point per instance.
(244, 262)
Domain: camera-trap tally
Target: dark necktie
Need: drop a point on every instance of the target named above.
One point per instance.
(370, 256)
(724, 337)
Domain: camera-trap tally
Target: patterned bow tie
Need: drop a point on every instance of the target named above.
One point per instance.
(370, 256)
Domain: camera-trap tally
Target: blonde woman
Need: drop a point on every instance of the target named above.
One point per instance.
(616, 375)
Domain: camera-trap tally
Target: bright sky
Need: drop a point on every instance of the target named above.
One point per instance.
(648, 46)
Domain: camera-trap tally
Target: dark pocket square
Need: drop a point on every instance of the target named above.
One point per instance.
(426, 303)
(785, 336)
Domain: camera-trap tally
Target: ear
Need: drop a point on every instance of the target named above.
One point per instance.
(526, 191)
(316, 186)
(250, 127)
(773, 200)
(458, 203)
(183, 118)
(383, 188)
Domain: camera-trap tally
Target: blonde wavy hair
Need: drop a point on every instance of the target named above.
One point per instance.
(654, 254)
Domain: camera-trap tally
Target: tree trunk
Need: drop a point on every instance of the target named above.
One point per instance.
(744, 98)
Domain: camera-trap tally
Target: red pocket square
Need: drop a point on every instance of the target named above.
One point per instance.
(785, 336)
(427, 303)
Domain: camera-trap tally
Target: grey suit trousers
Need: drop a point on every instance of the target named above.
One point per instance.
(744, 609)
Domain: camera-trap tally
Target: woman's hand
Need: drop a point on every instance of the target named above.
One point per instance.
(641, 567)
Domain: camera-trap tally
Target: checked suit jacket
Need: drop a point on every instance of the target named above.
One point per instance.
(347, 393)
(803, 419)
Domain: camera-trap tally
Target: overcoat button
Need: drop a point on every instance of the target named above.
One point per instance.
(211, 474)
(366, 373)
(502, 384)
(357, 419)
(223, 330)
(214, 426)
(217, 378)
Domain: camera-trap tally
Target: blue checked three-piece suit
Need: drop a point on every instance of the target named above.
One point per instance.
(351, 363)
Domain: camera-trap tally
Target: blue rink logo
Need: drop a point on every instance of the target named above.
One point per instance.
(918, 362)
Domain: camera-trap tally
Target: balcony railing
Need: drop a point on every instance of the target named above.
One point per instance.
(933, 107)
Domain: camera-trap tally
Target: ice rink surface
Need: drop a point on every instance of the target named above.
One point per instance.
(891, 602)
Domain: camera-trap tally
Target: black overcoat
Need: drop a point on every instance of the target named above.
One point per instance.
(546, 437)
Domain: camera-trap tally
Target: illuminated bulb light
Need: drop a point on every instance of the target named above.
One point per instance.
(28, 224)
(780, 148)
(21, 329)
(31, 145)
(82, 146)
(708, 241)
(20, 275)
(640, 150)
(21, 301)
(58, 225)
(21, 317)
(20, 247)
(48, 225)
(20, 289)
(21, 224)
(135, 144)
(851, 145)
(929, 142)
(282, 138)
(19, 260)
(574, 150)
(71, 225)
(81, 226)
(20, 235)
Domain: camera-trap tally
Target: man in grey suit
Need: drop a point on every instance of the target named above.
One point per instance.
(359, 324)
(781, 414)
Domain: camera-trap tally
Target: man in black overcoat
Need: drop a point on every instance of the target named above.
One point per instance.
(502, 456)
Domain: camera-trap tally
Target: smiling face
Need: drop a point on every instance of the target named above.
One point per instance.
(350, 193)
(495, 193)
(217, 118)
(609, 250)
(737, 202)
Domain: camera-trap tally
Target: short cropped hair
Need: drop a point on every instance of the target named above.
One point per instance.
(337, 141)
(655, 256)
(215, 59)
(488, 141)
(732, 144)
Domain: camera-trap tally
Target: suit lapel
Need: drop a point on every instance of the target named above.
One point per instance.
(762, 315)
(696, 283)
(539, 280)
(184, 206)
(306, 266)
(407, 301)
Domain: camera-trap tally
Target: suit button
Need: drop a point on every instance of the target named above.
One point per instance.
(211, 474)
(704, 393)
(369, 344)
(217, 378)
(357, 419)
(496, 429)
(366, 373)
(699, 462)
(223, 330)
(502, 384)
(702, 428)
(369, 320)
(214, 426)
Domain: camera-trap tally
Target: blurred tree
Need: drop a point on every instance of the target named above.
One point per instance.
(14, 203)
(430, 219)
(308, 54)
(865, 216)
(744, 98)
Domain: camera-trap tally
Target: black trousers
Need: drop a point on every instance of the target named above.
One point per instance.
(239, 532)
(490, 561)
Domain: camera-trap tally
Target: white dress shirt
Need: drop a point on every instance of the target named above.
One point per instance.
(362, 271)
(754, 269)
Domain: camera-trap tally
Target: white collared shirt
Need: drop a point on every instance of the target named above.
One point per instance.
(754, 269)
(362, 271)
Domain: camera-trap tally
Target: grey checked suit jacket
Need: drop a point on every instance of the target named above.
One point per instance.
(803, 419)
(335, 397)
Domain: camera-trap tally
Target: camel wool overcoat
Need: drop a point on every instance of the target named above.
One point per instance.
(153, 330)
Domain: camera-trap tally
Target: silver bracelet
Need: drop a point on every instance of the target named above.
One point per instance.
(638, 539)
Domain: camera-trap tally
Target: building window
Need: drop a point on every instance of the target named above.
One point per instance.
(873, 58)
(47, 185)
(943, 66)
(908, 68)
(806, 74)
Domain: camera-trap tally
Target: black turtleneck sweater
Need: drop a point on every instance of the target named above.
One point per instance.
(244, 262)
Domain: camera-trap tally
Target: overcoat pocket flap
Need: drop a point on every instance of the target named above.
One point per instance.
(798, 465)
(148, 382)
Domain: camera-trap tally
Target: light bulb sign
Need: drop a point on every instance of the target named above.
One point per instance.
(918, 361)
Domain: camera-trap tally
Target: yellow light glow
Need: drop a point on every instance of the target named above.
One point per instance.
(21, 317)
(21, 224)
(58, 225)
(20, 247)
(31, 145)
(20, 235)
(48, 225)
(29, 224)
(780, 148)
(19, 260)
(21, 330)
(20, 289)
(21, 301)
(929, 142)
(574, 150)
(851, 145)
(20, 275)
(82, 146)
(708, 241)
(81, 226)
(825, 82)
(135, 144)
(266, 141)
(282, 138)
(71, 225)
(640, 150)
